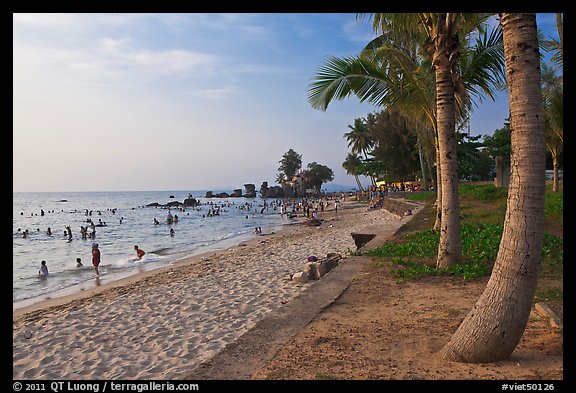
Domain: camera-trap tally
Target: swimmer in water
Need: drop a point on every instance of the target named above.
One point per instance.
(140, 253)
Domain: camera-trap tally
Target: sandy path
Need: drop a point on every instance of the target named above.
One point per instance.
(160, 325)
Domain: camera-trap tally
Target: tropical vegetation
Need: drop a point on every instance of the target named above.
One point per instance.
(297, 182)
(433, 68)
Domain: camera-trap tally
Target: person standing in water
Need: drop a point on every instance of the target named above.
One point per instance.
(95, 257)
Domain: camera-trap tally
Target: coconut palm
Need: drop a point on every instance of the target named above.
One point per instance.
(553, 100)
(556, 45)
(392, 77)
(359, 139)
(352, 167)
(493, 328)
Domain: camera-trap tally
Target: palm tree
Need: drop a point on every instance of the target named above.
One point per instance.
(443, 46)
(552, 89)
(556, 45)
(359, 139)
(553, 100)
(492, 329)
(352, 167)
(394, 78)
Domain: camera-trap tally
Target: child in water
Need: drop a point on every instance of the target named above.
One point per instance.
(43, 269)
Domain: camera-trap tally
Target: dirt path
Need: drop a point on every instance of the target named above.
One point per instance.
(380, 329)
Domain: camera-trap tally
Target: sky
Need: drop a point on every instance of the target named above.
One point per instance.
(151, 102)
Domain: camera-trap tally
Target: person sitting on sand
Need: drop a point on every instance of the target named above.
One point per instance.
(139, 252)
(43, 269)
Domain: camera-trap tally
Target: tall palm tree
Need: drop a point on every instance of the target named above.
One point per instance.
(359, 139)
(352, 167)
(492, 329)
(392, 79)
(443, 46)
(553, 101)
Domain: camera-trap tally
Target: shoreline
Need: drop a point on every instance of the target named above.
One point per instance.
(161, 323)
(103, 282)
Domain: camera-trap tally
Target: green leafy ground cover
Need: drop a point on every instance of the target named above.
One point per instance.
(412, 253)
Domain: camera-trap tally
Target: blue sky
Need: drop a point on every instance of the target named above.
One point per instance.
(114, 102)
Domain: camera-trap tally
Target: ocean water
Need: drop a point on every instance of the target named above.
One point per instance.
(128, 222)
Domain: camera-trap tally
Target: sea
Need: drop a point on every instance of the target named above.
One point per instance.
(122, 220)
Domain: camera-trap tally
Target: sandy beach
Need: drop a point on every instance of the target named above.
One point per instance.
(161, 324)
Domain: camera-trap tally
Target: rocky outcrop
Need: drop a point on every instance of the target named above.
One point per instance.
(191, 201)
(210, 194)
(250, 191)
(274, 192)
(264, 189)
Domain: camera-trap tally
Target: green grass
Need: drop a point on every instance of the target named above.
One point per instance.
(482, 192)
(552, 257)
(546, 294)
(421, 196)
(413, 254)
(554, 201)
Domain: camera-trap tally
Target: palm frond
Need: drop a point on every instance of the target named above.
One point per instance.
(339, 78)
(482, 66)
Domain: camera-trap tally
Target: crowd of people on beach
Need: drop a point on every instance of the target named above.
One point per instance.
(290, 208)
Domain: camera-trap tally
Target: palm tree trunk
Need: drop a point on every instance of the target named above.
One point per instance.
(555, 166)
(449, 248)
(560, 27)
(371, 176)
(430, 164)
(493, 328)
(438, 188)
(424, 185)
(360, 188)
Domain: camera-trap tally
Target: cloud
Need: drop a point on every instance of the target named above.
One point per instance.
(108, 60)
(212, 94)
(119, 52)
